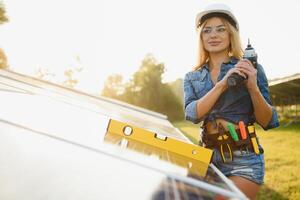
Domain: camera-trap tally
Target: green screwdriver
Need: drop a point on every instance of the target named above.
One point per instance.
(232, 132)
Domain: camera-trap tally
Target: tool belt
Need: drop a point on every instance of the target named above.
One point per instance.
(243, 139)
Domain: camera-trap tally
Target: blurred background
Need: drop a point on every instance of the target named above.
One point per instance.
(137, 51)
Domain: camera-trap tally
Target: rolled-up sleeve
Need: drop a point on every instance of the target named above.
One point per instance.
(264, 89)
(190, 101)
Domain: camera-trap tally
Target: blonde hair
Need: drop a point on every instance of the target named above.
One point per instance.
(235, 48)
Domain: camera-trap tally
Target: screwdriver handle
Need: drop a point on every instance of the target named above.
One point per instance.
(242, 130)
(232, 132)
(253, 139)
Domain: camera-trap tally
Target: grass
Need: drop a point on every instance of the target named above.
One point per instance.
(282, 157)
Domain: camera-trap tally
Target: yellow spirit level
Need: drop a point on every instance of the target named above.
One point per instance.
(187, 150)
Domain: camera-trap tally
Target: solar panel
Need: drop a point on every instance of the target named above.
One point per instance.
(56, 143)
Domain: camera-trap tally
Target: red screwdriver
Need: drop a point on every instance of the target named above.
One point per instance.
(243, 130)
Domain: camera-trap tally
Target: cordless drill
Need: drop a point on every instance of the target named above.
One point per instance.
(236, 79)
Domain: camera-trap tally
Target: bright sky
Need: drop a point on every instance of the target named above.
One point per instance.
(113, 36)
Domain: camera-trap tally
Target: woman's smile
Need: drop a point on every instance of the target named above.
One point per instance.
(214, 43)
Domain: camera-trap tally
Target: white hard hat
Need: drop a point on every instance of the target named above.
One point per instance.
(216, 10)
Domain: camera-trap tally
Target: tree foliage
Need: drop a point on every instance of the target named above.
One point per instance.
(177, 88)
(3, 60)
(45, 74)
(145, 89)
(70, 77)
(113, 87)
(3, 17)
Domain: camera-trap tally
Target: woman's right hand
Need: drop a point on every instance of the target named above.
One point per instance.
(223, 83)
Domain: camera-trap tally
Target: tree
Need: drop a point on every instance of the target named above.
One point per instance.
(177, 88)
(114, 87)
(3, 17)
(146, 84)
(145, 89)
(3, 60)
(171, 105)
(72, 73)
(45, 74)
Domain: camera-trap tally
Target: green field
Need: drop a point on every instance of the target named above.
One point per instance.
(282, 155)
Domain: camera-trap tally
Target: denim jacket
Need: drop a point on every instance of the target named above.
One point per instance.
(233, 105)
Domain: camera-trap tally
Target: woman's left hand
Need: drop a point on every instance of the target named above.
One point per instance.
(246, 67)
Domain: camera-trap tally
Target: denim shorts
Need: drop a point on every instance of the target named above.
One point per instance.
(245, 164)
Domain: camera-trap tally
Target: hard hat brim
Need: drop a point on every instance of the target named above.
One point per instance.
(216, 12)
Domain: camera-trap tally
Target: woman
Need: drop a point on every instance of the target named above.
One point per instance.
(208, 98)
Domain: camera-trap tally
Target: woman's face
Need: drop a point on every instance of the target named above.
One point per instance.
(215, 36)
